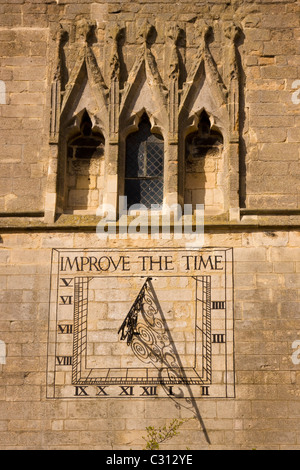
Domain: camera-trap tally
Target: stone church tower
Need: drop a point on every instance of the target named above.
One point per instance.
(149, 224)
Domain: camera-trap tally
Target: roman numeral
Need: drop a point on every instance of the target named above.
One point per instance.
(101, 391)
(81, 392)
(66, 282)
(65, 329)
(205, 391)
(126, 391)
(218, 339)
(218, 305)
(149, 391)
(66, 299)
(64, 360)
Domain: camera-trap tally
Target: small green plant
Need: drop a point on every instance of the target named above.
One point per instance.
(156, 437)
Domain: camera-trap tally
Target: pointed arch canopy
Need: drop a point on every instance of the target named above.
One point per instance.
(86, 90)
(144, 91)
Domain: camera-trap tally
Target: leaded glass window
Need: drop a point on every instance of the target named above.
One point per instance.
(144, 166)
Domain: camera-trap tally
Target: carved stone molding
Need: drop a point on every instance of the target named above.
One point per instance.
(171, 79)
(56, 85)
(232, 33)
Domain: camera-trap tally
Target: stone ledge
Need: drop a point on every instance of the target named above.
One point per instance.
(260, 220)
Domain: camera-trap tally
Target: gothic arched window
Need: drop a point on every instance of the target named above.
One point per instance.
(144, 169)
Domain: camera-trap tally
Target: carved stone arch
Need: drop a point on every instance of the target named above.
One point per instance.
(203, 161)
(132, 126)
(81, 149)
(133, 122)
(73, 126)
(193, 122)
(85, 90)
(204, 94)
(203, 69)
(144, 92)
(203, 123)
(144, 164)
(206, 89)
(85, 93)
(144, 89)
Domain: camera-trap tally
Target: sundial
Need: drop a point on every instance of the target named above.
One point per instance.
(141, 323)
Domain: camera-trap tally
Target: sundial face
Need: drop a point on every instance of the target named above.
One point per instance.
(148, 323)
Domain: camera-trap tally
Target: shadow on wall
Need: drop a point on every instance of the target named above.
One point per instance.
(151, 341)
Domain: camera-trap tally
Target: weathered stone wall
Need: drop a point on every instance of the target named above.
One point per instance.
(261, 185)
(265, 412)
(269, 51)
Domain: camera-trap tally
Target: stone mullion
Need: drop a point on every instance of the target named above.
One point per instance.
(51, 190)
(232, 33)
(171, 174)
(111, 193)
(55, 99)
(233, 180)
(112, 148)
(233, 153)
(112, 155)
(111, 174)
(112, 151)
(171, 160)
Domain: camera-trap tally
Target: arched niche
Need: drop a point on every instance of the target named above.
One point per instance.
(82, 165)
(204, 155)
